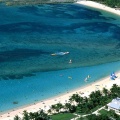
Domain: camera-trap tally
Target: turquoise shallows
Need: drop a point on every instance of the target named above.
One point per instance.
(30, 34)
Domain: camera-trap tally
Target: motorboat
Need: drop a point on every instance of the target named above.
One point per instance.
(60, 53)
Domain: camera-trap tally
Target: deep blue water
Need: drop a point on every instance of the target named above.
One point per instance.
(30, 34)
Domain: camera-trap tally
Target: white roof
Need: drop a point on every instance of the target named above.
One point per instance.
(115, 103)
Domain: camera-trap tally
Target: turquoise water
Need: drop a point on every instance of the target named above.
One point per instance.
(30, 34)
(48, 84)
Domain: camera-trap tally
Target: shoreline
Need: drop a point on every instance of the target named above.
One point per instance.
(99, 6)
(62, 98)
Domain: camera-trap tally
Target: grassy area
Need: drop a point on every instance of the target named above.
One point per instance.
(110, 113)
(109, 100)
(104, 112)
(99, 106)
(63, 116)
(96, 108)
(92, 110)
(84, 118)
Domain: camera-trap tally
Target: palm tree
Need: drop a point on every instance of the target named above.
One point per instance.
(114, 91)
(98, 94)
(85, 108)
(85, 99)
(53, 108)
(92, 95)
(42, 115)
(90, 105)
(79, 108)
(105, 91)
(25, 115)
(67, 106)
(33, 115)
(59, 106)
(114, 87)
(72, 109)
(118, 92)
(72, 98)
(49, 111)
(17, 117)
(75, 97)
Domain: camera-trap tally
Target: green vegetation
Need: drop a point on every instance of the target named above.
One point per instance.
(111, 3)
(33, 2)
(79, 105)
(103, 112)
(62, 116)
(110, 113)
(95, 117)
(104, 115)
(40, 115)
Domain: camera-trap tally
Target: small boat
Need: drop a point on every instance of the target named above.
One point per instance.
(60, 53)
(69, 77)
(70, 61)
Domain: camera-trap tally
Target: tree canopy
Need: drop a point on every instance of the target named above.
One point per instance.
(111, 3)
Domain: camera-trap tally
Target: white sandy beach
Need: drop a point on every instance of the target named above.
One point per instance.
(99, 6)
(105, 82)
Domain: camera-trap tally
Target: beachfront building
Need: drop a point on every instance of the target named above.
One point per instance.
(114, 105)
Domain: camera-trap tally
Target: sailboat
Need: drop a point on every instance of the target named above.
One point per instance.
(86, 79)
(113, 76)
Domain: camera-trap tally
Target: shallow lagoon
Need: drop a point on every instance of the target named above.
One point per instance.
(28, 36)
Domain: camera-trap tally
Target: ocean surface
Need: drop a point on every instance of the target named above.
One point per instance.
(30, 34)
